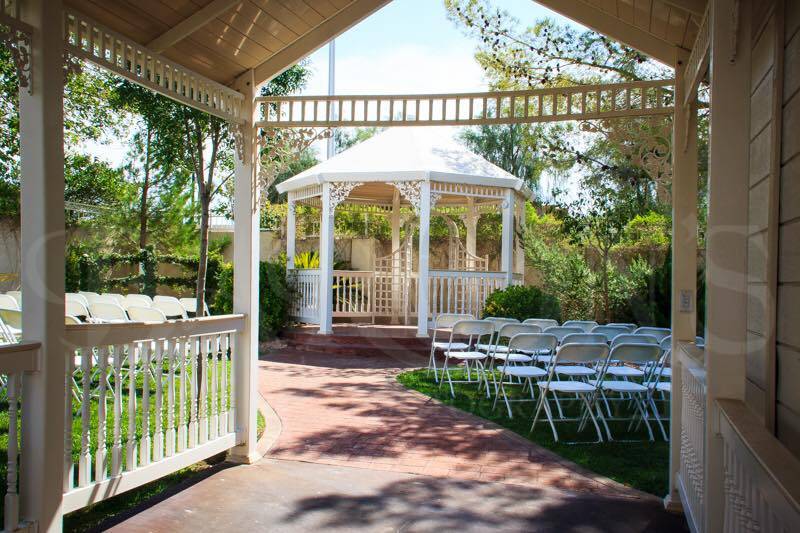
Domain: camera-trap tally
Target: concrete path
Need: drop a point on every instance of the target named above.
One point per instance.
(356, 451)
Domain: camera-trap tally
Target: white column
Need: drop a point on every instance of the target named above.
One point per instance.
(245, 282)
(291, 233)
(519, 249)
(471, 223)
(726, 263)
(43, 240)
(424, 253)
(396, 295)
(326, 262)
(507, 245)
(684, 257)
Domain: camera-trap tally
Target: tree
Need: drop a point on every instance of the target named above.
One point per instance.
(512, 148)
(344, 140)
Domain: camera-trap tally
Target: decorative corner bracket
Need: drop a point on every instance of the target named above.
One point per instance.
(18, 42)
(340, 191)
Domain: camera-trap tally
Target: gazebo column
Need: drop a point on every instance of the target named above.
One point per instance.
(41, 140)
(424, 259)
(326, 244)
(507, 245)
(291, 233)
(684, 257)
(471, 223)
(396, 295)
(519, 248)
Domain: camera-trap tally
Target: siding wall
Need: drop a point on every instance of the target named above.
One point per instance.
(773, 312)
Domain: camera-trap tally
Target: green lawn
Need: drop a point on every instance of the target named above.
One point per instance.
(641, 464)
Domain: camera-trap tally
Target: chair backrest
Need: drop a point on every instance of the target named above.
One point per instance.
(499, 321)
(543, 323)
(627, 325)
(636, 352)
(141, 300)
(90, 296)
(17, 295)
(120, 299)
(6, 335)
(533, 343)
(629, 338)
(12, 317)
(507, 331)
(583, 338)
(190, 305)
(8, 302)
(446, 320)
(109, 311)
(104, 298)
(582, 353)
(160, 298)
(610, 331)
(70, 320)
(585, 325)
(171, 308)
(140, 313)
(658, 333)
(700, 342)
(75, 308)
(472, 329)
(562, 331)
(76, 297)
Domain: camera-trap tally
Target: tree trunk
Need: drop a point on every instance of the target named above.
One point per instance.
(202, 267)
(143, 213)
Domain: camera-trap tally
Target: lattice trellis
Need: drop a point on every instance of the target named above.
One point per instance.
(645, 140)
(279, 148)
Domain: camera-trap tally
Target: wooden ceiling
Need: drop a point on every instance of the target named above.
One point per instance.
(223, 39)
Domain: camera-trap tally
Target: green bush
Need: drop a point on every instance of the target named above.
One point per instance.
(275, 295)
(522, 302)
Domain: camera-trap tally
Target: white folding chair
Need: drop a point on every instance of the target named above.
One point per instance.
(139, 313)
(585, 325)
(562, 331)
(472, 330)
(658, 333)
(523, 344)
(70, 320)
(444, 322)
(8, 302)
(611, 331)
(190, 306)
(543, 323)
(17, 295)
(116, 297)
(627, 325)
(89, 295)
(107, 312)
(643, 354)
(582, 338)
(12, 318)
(630, 338)
(76, 297)
(617, 369)
(75, 308)
(170, 306)
(141, 300)
(584, 355)
(500, 351)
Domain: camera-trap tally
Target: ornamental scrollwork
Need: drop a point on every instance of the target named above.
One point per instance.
(646, 141)
(280, 147)
(237, 132)
(340, 191)
(18, 43)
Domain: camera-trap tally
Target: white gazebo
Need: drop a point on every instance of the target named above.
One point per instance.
(409, 174)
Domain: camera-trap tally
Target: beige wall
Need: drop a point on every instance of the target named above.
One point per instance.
(773, 346)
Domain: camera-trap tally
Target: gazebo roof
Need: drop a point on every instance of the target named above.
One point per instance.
(408, 154)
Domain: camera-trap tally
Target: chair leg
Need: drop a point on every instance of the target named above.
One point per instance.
(549, 414)
(643, 413)
(542, 398)
(432, 365)
(594, 420)
(558, 405)
(505, 398)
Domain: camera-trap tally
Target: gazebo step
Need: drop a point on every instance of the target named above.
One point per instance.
(350, 340)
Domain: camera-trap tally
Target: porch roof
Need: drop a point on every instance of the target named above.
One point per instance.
(408, 154)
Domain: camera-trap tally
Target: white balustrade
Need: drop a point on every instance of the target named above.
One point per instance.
(353, 293)
(15, 360)
(305, 284)
(456, 291)
(693, 419)
(134, 364)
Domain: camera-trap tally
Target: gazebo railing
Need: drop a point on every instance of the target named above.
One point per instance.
(354, 293)
(305, 284)
(460, 291)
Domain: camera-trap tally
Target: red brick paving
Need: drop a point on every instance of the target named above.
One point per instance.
(350, 411)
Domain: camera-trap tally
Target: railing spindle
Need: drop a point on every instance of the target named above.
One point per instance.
(144, 442)
(101, 457)
(158, 376)
(85, 459)
(171, 359)
(116, 447)
(130, 458)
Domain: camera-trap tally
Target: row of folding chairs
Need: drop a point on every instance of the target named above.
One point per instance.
(132, 307)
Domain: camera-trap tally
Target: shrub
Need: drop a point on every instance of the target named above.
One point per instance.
(274, 296)
(522, 302)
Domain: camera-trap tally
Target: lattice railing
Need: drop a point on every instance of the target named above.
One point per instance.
(89, 40)
(583, 102)
(693, 423)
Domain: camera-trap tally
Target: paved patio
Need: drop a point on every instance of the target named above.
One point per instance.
(356, 451)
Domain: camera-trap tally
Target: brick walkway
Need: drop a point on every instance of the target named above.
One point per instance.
(350, 411)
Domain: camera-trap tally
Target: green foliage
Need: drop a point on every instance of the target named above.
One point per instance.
(344, 139)
(522, 302)
(650, 230)
(511, 147)
(307, 260)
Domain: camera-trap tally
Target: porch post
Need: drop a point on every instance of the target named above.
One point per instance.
(326, 262)
(291, 233)
(726, 263)
(424, 252)
(396, 296)
(41, 134)
(684, 257)
(519, 249)
(471, 223)
(246, 219)
(507, 247)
